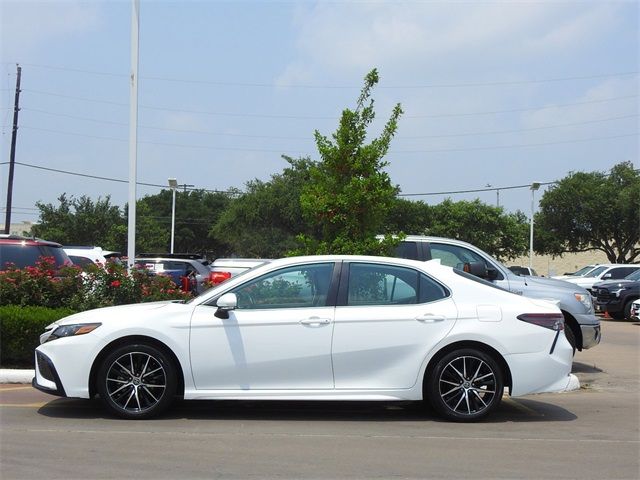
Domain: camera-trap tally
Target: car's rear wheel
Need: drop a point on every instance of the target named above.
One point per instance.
(571, 337)
(465, 385)
(137, 381)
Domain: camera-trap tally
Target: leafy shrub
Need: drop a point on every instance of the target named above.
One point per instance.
(95, 286)
(20, 329)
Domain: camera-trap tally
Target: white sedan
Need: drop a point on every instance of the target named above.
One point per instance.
(315, 328)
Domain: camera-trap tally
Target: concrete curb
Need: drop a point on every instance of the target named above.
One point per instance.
(16, 376)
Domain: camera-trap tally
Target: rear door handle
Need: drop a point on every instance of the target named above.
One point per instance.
(431, 318)
(317, 321)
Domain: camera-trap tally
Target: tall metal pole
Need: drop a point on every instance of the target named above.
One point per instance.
(12, 155)
(133, 134)
(534, 186)
(173, 218)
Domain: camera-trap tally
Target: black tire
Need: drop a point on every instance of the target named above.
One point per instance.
(137, 381)
(465, 385)
(627, 309)
(618, 315)
(571, 337)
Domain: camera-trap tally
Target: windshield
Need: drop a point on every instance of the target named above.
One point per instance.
(583, 271)
(596, 271)
(635, 276)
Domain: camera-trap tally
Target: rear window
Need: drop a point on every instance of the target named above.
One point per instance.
(27, 255)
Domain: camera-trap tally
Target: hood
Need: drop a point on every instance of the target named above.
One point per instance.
(617, 283)
(121, 312)
(551, 283)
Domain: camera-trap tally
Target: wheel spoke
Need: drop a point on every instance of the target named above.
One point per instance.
(145, 366)
(124, 368)
(479, 398)
(152, 371)
(116, 391)
(149, 393)
(451, 391)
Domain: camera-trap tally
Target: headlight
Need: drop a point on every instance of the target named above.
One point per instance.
(72, 330)
(616, 293)
(584, 300)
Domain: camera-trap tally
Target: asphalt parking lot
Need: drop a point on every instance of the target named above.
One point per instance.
(591, 433)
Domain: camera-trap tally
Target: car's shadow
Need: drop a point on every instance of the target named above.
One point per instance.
(579, 367)
(510, 410)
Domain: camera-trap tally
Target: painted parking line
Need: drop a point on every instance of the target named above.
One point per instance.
(23, 405)
(9, 389)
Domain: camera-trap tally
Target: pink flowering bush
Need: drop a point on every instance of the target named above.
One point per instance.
(71, 287)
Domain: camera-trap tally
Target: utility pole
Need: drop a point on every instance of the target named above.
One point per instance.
(184, 186)
(133, 134)
(12, 155)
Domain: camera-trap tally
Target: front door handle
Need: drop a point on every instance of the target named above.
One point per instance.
(431, 318)
(317, 321)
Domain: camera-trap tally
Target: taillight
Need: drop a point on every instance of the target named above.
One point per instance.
(219, 277)
(553, 321)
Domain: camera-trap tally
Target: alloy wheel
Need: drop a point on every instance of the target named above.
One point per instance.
(467, 385)
(136, 382)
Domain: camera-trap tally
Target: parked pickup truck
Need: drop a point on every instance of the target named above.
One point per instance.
(582, 327)
(616, 297)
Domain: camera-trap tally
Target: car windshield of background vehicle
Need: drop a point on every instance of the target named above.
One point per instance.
(634, 276)
(595, 272)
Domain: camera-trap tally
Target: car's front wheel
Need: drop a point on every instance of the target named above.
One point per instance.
(465, 385)
(137, 381)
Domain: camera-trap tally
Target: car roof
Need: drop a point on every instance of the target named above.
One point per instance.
(20, 240)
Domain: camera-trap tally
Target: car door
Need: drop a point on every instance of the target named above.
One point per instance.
(387, 320)
(278, 337)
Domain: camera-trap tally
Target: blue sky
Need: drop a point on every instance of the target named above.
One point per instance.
(498, 92)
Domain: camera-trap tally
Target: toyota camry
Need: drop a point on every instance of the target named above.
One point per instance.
(315, 328)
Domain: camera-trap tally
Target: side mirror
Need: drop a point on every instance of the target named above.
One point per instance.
(226, 302)
(479, 269)
(606, 275)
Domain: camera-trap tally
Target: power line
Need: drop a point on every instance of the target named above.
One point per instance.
(319, 86)
(208, 132)
(316, 117)
(476, 190)
(166, 144)
(110, 179)
(439, 150)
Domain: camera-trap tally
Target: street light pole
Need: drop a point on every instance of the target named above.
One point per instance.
(534, 186)
(173, 184)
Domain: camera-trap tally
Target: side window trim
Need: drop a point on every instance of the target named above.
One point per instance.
(343, 290)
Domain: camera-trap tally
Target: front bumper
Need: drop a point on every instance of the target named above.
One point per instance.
(591, 335)
(611, 306)
(47, 379)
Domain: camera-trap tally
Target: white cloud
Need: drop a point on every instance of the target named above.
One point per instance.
(347, 38)
(27, 25)
(589, 106)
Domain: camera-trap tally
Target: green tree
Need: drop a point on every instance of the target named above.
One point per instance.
(349, 196)
(79, 221)
(196, 212)
(503, 235)
(263, 222)
(592, 211)
(410, 217)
